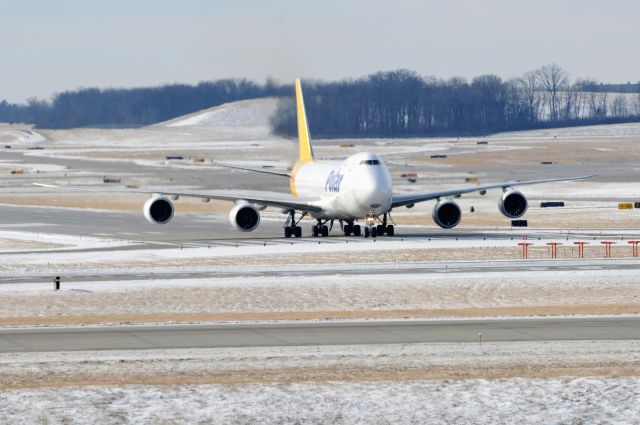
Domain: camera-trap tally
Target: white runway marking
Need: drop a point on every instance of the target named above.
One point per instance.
(28, 225)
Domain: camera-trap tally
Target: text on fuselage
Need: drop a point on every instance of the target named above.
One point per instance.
(333, 181)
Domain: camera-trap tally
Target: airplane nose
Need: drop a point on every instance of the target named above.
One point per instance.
(375, 201)
(374, 196)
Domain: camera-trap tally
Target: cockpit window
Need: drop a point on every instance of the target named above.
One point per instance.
(369, 162)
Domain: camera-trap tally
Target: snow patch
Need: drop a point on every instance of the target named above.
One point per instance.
(69, 241)
(32, 136)
(597, 131)
(255, 112)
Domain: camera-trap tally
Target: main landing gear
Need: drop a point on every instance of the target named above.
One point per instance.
(352, 229)
(321, 229)
(291, 227)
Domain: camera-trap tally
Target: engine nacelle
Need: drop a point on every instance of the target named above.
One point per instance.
(158, 210)
(447, 214)
(244, 217)
(513, 204)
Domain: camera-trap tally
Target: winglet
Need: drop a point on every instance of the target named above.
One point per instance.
(306, 151)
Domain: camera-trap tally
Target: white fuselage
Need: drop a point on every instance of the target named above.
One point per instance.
(359, 186)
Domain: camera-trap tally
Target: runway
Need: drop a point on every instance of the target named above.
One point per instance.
(306, 334)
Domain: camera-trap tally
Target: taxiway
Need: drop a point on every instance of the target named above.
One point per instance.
(303, 334)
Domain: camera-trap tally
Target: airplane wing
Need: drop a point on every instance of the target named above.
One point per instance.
(255, 170)
(408, 199)
(280, 201)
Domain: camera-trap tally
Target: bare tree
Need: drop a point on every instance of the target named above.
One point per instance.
(515, 108)
(577, 103)
(554, 80)
(569, 100)
(529, 86)
(590, 96)
(619, 107)
(603, 105)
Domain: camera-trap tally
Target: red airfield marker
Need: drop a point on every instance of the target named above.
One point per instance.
(634, 247)
(554, 248)
(607, 248)
(525, 248)
(581, 248)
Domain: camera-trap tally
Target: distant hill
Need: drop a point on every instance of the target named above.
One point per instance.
(613, 88)
(133, 107)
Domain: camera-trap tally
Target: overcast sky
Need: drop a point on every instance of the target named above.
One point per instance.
(52, 46)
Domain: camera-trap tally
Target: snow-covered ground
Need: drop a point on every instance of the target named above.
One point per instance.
(417, 383)
(20, 134)
(8, 239)
(575, 190)
(334, 296)
(597, 131)
(514, 401)
(254, 112)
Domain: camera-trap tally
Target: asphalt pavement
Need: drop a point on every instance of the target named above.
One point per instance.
(323, 333)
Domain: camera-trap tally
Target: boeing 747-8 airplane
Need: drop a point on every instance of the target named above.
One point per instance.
(359, 188)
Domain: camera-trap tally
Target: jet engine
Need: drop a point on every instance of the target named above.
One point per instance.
(158, 210)
(447, 214)
(513, 204)
(244, 217)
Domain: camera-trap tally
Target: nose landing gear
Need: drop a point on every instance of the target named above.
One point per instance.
(380, 229)
(370, 230)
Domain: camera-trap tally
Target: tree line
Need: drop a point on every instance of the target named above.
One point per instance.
(133, 107)
(404, 104)
(385, 104)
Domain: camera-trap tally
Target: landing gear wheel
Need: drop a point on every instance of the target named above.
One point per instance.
(348, 229)
(374, 232)
(380, 229)
(290, 228)
(390, 230)
(315, 231)
(325, 231)
(366, 232)
(357, 230)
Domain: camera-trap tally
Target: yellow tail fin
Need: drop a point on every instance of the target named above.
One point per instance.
(306, 151)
